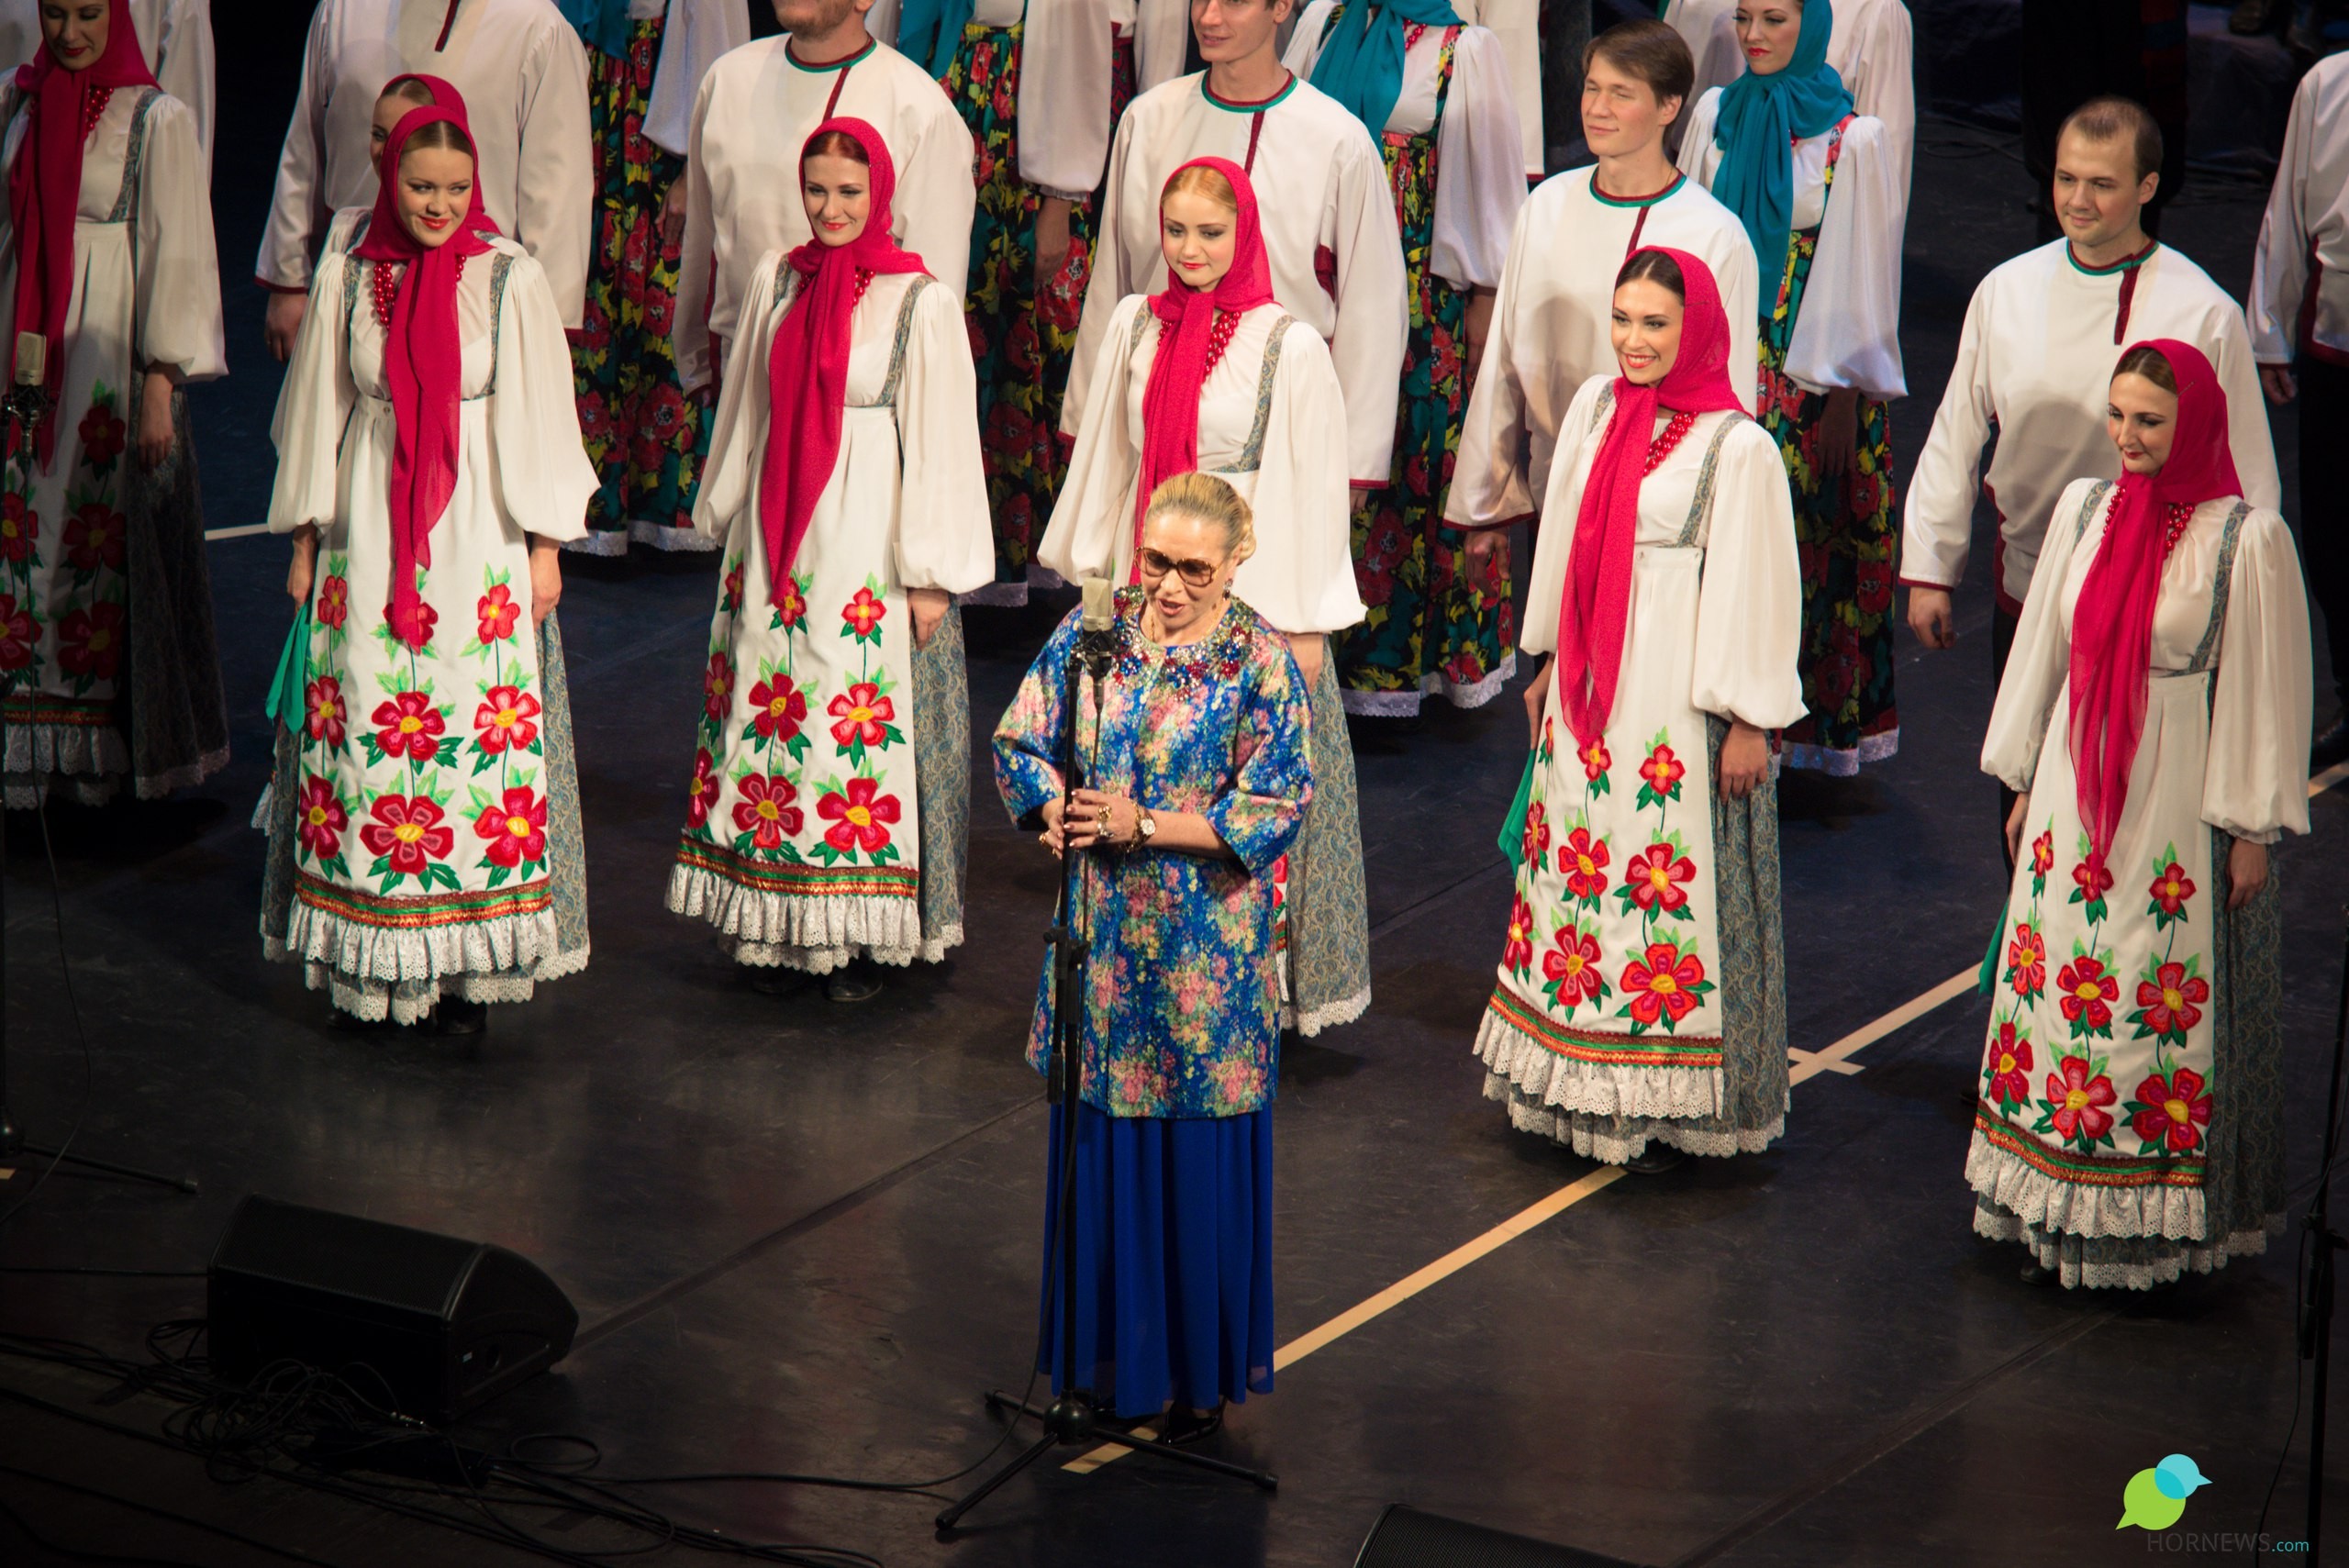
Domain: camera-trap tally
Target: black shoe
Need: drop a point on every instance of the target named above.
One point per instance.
(859, 979)
(1655, 1159)
(454, 1015)
(2251, 18)
(2038, 1273)
(774, 979)
(1185, 1425)
(2330, 748)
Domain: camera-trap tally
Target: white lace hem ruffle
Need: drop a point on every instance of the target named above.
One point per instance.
(185, 776)
(410, 1001)
(1599, 1141)
(669, 537)
(816, 933)
(2171, 1213)
(2198, 1257)
(1328, 1015)
(1404, 705)
(1545, 1078)
(85, 763)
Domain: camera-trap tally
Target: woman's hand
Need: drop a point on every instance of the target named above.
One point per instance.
(1536, 701)
(1478, 550)
(2246, 872)
(1308, 647)
(2015, 820)
(546, 579)
(1839, 432)
(302, 570)
(672, 214)
(928, 609)
(155, 418)
(1052, 240)
(1107, 821)
(1745, 759)
(282, 323)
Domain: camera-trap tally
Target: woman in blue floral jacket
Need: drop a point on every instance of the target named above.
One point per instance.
(1199, 774)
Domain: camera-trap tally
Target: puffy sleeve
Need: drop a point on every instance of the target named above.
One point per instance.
(1094, 511)
(944, 538)
(1749, 612)
(1699, 156)
(297, 205)
(1064, 96)
(1258, 816)
(1884, 61)
(1851, 338)
(689, 327)
(727, 474)
(184, 67)
(695, 34)
(2041, 658)
(1517, 24)
(544, 479)
(337, 243)
(1305, 39)
(2256, 783)
(1302, 576)
(313, 406)
(554, 219)
(179, 271)
(1480, 178)
(1490, 488)
(2249, 440)
(1109, 284)
(1561, 501)
(936, 195)
(1028, 737)
(2280, 267)
(1367, 344)
(1937, 526)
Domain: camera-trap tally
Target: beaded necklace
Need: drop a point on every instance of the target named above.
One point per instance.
(1672, 435)
(385, 287)
(94, 108)
(1219, 331)
(2181, 516)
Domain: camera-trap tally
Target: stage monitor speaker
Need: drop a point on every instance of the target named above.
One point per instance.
(1405, 1538)
(428, 1325)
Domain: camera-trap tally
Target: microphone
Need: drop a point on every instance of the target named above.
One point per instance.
(1096, 641)
(32, 358)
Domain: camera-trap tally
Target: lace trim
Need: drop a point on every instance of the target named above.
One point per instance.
(1546, 1078)
(818, 927)
(2171, 1213)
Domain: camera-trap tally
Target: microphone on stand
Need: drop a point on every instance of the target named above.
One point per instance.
(1097, 640)
(28, 397)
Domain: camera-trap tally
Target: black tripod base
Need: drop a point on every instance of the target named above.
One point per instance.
(1071, 1418)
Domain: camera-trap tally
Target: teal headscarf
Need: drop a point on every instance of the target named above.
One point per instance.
(1361, 64)
(930, 31)
(1760, 118)
(601, 24)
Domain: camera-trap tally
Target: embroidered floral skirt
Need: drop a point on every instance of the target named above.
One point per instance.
(1022, 338)
(646, 438)
(1434, 623)
(1325, 909)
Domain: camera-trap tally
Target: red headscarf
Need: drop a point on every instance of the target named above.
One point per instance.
(446, 96)
(45, 186)
(807, 365)
(1596, 609)
(1170, 401)
(2113, 627)
(424, 360)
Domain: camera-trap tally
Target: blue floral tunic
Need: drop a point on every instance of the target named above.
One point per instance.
(1183, 1015)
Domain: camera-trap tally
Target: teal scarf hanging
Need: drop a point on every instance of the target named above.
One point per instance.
(1361, 64)
(602, 24)
(1760, 117)
(287, 702)
(930, 31)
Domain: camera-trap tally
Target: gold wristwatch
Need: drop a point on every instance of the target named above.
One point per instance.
(1144, 825)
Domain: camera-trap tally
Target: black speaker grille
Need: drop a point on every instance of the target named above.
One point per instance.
(390, 1265)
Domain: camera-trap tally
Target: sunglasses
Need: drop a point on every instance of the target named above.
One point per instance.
(1195, 574)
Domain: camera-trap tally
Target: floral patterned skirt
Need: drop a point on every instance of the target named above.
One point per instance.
(647, 439)
(1022, 339)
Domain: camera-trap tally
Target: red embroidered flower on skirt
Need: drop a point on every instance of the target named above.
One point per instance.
(2087, 994)
(2171, 1001)
(19, 526)
(859, 818)
(1595, 762)
(516, 828)
(2042, 853)
(2091, 880)
(790, 606)
(417, 630)
(407, 831)
(1584, 860)
(102, 435)
(94, 538)
(502, 721)
(319, 818)
(2172, 1111)
(863, 715)
(334, 604)
(717, 688)
(2009, 1068)
(1667, 984)
(704, 791)
(864, 614)
(1517, 951)
(408, 726)
(766, 811)
(1657, 880)
(2170, 890)
(16, 635)
(1664, 772)
(1573, 965)
(323, 711)
(89, 642)
(2027, 961)
(2075, 1100)
(498, 614)
(777, 707)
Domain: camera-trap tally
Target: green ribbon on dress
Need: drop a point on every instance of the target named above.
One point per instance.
(285, 693)
(1512, 839)
(1988, 980)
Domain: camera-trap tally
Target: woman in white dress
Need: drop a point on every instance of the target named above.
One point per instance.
(1213, 374)
(829, 801)
(105, 603)
(2153, 717)
(425, 847)
(1819, 189)
(1641, 1009)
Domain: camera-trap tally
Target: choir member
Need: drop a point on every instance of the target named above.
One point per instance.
(2153, 722)
(2300, 333)
(1519, 24)
(175, 37)
(1197, 775)
(1818, 189)
(1640, 1013)
(1552, 319)
(424, 855)
(2034, 362)
(830, 801)
(518, 60)
(106, 644)
(1211, 374)
(647, 439)
(1328, 219)
(753, 115)
(1436, 94)
(1872, 47)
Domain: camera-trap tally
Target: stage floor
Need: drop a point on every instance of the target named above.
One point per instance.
(805, 1236)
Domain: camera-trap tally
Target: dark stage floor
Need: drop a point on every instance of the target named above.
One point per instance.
(804, 1238)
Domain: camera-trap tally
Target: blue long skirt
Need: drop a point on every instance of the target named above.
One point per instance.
(1173, 1258)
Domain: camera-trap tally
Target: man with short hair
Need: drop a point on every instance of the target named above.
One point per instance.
(756, 107)
(2034, 365)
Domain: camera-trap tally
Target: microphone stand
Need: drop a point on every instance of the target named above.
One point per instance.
(24, 406)
(1074, 1418)
(2321, 1249)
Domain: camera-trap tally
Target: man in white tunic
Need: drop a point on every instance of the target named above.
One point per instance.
(524, 76)
(1550, 319)
(755, 109)
(2299, 334)
(1329, 218)
(2034, 363)
(175, 35)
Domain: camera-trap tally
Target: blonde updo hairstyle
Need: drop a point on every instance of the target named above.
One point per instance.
(1205, 499)
(1200, 180)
